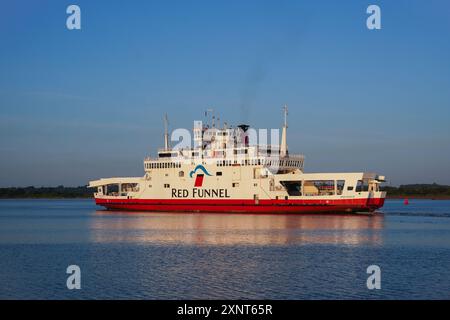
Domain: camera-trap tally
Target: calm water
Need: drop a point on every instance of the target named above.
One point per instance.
(216, 256)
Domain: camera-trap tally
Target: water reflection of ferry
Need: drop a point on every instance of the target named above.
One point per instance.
(225, 172)
(214, 229)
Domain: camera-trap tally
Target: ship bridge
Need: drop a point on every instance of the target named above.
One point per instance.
(227, 146)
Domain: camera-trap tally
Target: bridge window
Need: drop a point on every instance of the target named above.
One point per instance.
(218, 173)
(362, 186)
(166, 185)
(181, 174)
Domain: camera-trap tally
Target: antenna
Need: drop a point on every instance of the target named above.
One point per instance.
(283, 147)
(166, 132)
(211, 111)
(285, 109)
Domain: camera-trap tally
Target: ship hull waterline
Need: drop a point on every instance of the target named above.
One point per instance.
(243, 206)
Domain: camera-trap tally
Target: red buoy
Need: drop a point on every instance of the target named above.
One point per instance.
(406, 202)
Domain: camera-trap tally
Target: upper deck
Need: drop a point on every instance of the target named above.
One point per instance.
(228, 146)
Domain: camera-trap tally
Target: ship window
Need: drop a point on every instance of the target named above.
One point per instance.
(166, 185)
(181, 174)
(130, 187)
(318, 187)
(113, 190)
(350, 188)
(235, 184)
(164, 155)
(362, 186)
(218, 173)
(340, 186)
(293, 188)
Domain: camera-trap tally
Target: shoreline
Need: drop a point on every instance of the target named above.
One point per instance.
(419, 198)
(396, 197)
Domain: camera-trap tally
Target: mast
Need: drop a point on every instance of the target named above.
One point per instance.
(283, 147)
(166, 133)
(211, 111)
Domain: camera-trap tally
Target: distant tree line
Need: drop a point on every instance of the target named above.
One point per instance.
(46, 192)
(434, 191)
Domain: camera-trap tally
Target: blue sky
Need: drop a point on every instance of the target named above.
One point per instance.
(80, 105)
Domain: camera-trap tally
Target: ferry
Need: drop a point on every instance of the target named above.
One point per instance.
(226, 171)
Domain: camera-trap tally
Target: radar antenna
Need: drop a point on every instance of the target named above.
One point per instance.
(166, 132)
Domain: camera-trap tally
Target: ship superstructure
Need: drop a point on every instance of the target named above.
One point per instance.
(227, 171)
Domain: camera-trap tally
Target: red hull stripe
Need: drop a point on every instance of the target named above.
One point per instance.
(242, 205)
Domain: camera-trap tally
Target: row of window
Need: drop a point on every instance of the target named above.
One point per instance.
(254, 162)
(162, 165)
(225, 163)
